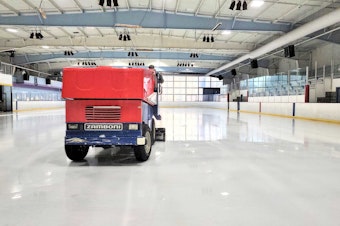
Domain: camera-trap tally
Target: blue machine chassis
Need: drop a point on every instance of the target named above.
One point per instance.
(106, 138)
(103, 138)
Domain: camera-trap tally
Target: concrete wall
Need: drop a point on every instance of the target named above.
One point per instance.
(286, 65)
(325, 54)
(336, 83)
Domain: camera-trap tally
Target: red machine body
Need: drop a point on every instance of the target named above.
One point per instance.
(107, 83)
(109, 106)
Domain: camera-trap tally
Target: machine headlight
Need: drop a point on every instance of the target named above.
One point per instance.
(133, 126)
(72, 126)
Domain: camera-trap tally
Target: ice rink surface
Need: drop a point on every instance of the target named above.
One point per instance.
(215, 168)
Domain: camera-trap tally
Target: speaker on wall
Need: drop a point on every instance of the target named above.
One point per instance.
(233, 72)
(289, 51)
(254, 64)
(25, 76)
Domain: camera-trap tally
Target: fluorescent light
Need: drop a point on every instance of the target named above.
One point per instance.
(256, 3)
(45, 47)
(226, 32)
(12, 30)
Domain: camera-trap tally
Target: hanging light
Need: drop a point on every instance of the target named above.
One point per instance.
(245, 5)
(238, 6)
(232, 5)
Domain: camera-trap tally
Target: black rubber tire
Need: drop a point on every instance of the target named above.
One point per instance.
(153, 131)
(142, 152)
(76, 152)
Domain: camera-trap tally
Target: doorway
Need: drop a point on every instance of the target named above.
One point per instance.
(6, 98)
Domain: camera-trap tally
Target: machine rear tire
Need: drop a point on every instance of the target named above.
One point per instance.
(142, 152)
(76, 152)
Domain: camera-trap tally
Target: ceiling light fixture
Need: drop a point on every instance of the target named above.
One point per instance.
(12, 30)
(226, 32)
(232, 5)
(241, 5)
(245, 5)
(256, 3)
(238, 6)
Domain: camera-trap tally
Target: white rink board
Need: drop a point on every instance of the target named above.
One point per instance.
(277, 108)
(251, 107)
(323, 111)
(6, 80)
(36, 105)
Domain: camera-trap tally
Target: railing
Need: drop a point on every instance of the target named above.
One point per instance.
(10, 69)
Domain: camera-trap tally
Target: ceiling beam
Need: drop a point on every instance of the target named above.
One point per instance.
(177, 5)
(219, 8)
(83, 32)
(30, 5)
(145, 19)
(163, 6)
(66, 32)
(101, 34)
(56, 6)
(127, 4)
(16, 12)
(80, 7)
(289, 11)
(36, 58)
(199, 7)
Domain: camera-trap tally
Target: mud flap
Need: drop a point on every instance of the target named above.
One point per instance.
(160, 134)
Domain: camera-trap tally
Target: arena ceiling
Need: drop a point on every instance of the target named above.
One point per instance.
(177, 36)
